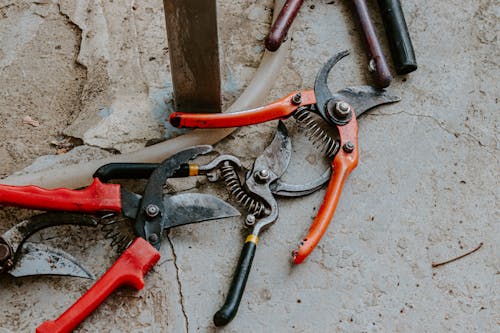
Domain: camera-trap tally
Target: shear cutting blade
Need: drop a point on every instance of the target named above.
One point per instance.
(276, 156)
(364, 98)
(188, 208)
(39, 259)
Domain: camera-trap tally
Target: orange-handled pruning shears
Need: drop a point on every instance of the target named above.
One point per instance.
(340, 110)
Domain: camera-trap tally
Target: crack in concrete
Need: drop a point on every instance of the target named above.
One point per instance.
(179, 284)
(440, 125)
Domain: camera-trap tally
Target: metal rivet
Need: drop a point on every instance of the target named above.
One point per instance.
(250, 220)
(297, 99)
(372, 65)
(152, 210)
(153, 238)
(262, 175)
(348, 147)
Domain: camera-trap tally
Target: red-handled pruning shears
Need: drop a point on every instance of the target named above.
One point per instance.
(152, 213)
(340, 109)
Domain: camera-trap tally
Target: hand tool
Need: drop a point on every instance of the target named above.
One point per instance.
(153, 212)
(396, 29)
(255, 193)
(258, 197)
(18, 257)
(378, 64)
(340, 110)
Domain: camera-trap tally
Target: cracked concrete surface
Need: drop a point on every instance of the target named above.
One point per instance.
(426, 188)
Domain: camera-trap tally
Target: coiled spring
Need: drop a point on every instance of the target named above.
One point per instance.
(232, 181)
(113, 231)
(320, 139)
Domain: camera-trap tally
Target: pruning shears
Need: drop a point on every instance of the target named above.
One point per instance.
(340, 109)
(152, 213)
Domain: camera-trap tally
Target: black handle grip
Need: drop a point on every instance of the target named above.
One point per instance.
(133, 171)
(233, 299)
(396, 29)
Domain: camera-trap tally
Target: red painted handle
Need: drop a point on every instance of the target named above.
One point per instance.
(280, 109)
(342, 165)
(129, 269)
(97, 197)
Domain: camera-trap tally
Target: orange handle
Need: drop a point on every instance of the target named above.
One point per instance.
(344, 162)
(129, 269)
(280, 109)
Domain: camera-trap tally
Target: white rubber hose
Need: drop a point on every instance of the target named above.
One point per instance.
(80, 175)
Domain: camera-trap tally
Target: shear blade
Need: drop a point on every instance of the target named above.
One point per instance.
(298, 190)
(276, 156)
(364, 98)
(40, 259)
(186, 208)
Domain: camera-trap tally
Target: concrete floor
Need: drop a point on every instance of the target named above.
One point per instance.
(426, 188)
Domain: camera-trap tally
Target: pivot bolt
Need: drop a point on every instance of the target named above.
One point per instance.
(297, 99)
(4, 252)
(153, 238)
(342, 110)
(262, 175)
(250, 220)
(348, 147)
(152, 210)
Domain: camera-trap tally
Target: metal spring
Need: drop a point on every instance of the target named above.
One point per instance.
(112, 232)
(232, 181)
(320, 139)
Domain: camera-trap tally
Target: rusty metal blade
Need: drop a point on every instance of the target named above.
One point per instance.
(153, 194)
(40, 259)
(321, 90)
(364, 98)
(186, 208)
(276, 156)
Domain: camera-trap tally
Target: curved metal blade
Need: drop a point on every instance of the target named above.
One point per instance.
(150, 228)
(298, 190)
(321, 90)
(276, 156)
(16, 235)
(186, 208)
(40, 259)
(364, 98)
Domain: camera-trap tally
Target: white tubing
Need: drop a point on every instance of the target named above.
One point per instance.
(80, 175)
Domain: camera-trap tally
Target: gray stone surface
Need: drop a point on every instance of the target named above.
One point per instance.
(426, 188)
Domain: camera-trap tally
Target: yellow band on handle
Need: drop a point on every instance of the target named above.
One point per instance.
(193, 169)
(252, 238)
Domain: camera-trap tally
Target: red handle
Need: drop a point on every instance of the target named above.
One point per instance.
(342, 165)
(129, 269)
(97, 197)
(280, 109)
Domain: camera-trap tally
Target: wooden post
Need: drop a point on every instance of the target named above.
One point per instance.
(194, 54)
